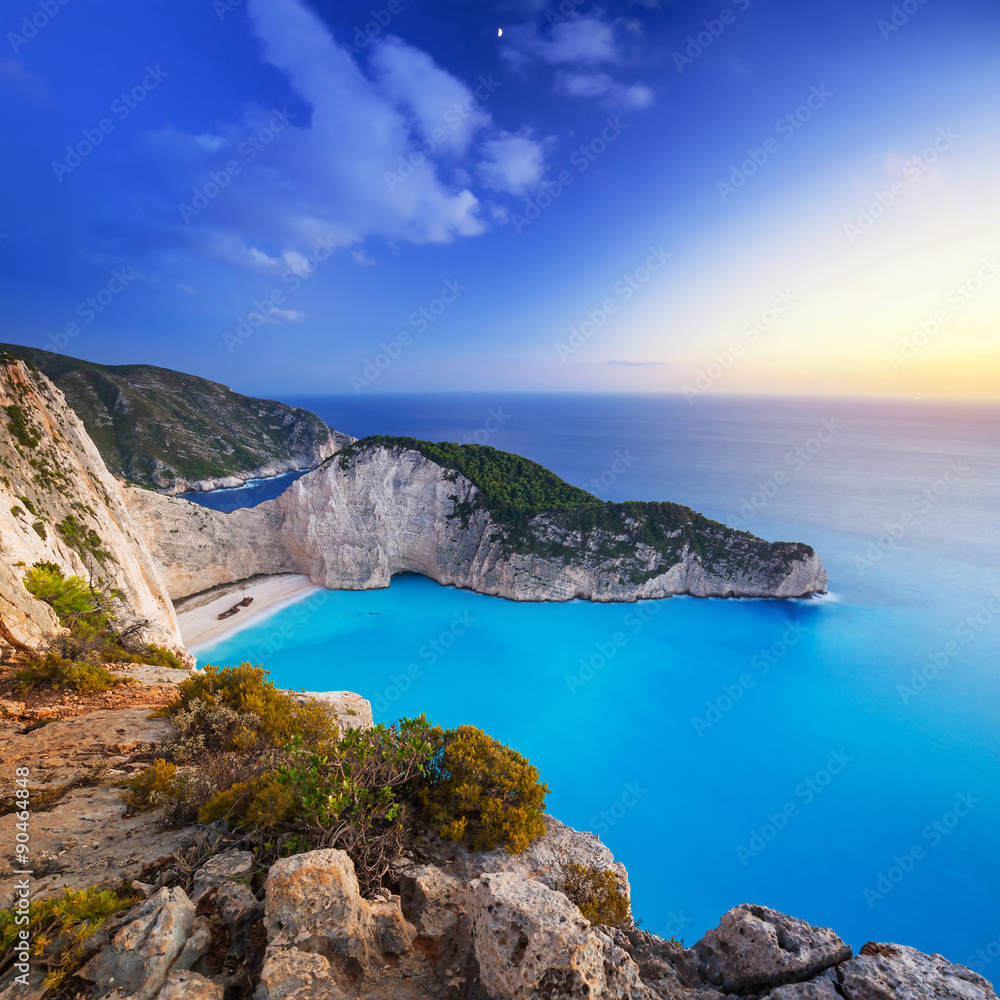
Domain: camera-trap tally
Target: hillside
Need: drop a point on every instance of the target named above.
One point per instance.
(171, 432)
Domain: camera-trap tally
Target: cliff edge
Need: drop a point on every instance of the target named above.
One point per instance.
(470, 517)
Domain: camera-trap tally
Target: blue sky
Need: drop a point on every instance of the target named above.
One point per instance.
(742, 197)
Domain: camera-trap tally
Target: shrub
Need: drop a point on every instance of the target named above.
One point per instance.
(151, 787)
(20, 426)
(59, 928)
(246, 690)
(53, 671)
(85, 541)
(356, 797)
(484, 794)
(598, 895)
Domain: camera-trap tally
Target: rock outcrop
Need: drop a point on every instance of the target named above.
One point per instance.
(754, 947)
(531, 941)
(359, 520)
(59, 504)
(500, 936)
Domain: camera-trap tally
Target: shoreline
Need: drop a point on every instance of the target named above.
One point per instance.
(198, 619)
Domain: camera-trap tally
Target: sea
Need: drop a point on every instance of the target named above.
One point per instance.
(836, 758)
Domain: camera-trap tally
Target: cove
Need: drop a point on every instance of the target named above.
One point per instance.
(727, 751)
(836, 759)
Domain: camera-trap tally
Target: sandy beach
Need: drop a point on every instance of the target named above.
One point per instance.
(198, 615)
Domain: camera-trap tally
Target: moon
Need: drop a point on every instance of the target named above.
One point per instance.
(499, 32)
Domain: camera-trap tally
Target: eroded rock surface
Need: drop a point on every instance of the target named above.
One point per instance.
(755, 948)
(158, 938)
(896, 972)
(531, 941)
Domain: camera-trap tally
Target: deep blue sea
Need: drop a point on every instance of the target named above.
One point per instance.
(837, 759)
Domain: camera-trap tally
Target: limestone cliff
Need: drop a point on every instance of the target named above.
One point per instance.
(59, 504)
(378, 509)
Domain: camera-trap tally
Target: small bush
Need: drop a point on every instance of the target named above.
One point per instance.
(484, 794)
(245, 689)
(597, 893)
(59, 928)
(154, 786)
(54, 672)
(20, 426)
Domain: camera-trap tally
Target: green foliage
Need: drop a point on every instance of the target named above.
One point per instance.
(278, 771)
(59, 928)
(356, 796)
(39, 528)
(509, 483)
(28, 506)
(55, 672)
(152, 786)
(158, 656)
(16, 511)
(86, 541)
(482, 793)
(20, 427)
(270, 717)
(598, 895)
(70, 597)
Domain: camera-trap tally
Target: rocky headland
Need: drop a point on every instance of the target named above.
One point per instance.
(386, 506)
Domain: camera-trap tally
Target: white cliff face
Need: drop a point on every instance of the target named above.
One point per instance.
(59, 504)
(353, 525)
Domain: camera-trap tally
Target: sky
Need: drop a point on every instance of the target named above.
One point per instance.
(301, 196)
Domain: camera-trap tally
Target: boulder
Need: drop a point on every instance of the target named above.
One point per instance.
(229, 866)
(823, 987)
(755, 948)
(313, 904)
(290, 974)
(432, 899)
(160, 935)
(186, 985)
(895, 972)
(531, 941)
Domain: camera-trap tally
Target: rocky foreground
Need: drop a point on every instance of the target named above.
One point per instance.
(216, 922)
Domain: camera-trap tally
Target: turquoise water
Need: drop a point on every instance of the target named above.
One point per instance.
(730, 751)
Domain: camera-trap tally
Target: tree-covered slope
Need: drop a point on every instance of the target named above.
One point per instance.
(167, 430)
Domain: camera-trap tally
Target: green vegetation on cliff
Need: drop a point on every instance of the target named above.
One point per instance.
(155, 427)
(279, 771)
(541, 514)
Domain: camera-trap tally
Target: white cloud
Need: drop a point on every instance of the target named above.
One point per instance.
(277, 317)
(512, 163)
(577, 48)
(360, 257)
(604, 88)
(440, 104)
(580, 40)
(323, 175)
